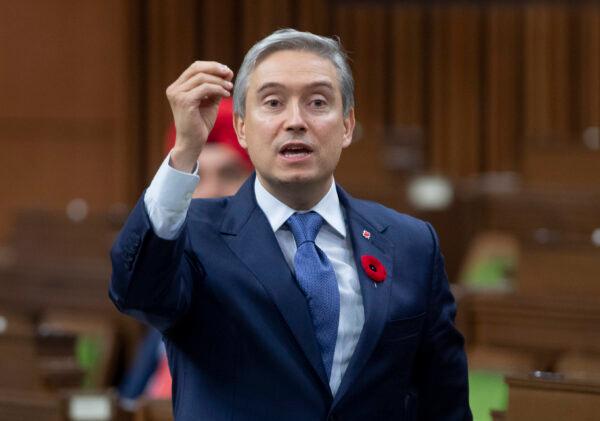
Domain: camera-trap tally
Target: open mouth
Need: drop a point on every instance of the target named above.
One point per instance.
(295, 150)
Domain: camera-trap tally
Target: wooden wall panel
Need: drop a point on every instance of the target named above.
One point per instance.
(261, 17)
(547, 89)
(588, 35)
(405, 97)
(362, 29)
(83, 84)
(219, 32)
(503, 116)
(407, 75)
(455, 98)
(313, 16)
(170, 47)
(68, 105)
(479, 85)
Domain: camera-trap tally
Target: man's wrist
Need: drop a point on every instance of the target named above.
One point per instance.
(184, 160)
(168, 198)
(171, 188)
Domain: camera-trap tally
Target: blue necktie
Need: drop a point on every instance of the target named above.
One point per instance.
(316, 278)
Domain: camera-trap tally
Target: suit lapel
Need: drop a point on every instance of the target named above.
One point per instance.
(375, 295)
(250, 236)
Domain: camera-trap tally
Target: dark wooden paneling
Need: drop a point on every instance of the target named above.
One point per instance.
(261, 17)
(503, 117)
(455, 100)
(313, 16)
(219, 32)
(588, 35)
(547, 91)
(406, 75)
(170, 47)
(83, 85)
(363, 33)
(68, 120)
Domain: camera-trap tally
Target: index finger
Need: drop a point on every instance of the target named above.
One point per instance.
(210, 67)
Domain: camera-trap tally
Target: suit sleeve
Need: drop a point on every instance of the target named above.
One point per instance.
(151, 278)
(442, 364)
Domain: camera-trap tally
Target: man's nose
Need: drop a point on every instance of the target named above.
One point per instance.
(295, 118)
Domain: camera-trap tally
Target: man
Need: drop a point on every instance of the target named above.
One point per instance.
(290, 300)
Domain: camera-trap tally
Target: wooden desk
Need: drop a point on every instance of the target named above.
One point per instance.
(560, 271)
(21, 406)
(540, 324)
(72, 405)
(531, 399)
(58, 263)
(18, 362)
(95, 337)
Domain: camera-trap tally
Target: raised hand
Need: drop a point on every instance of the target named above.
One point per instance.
(194, 98)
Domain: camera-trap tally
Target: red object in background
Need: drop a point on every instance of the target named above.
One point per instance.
(160, 384)
(222, 133)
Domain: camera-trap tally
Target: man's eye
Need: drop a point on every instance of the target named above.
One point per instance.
(319, 103)
(273, 103)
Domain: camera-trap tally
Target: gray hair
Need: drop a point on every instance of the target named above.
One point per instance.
(291, 39)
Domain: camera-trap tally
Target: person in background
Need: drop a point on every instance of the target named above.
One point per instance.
(223, 166)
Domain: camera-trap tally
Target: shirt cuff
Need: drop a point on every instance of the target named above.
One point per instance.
(168, 198)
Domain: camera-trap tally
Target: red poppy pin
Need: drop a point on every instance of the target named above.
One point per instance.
(373, 267)
(366, 234)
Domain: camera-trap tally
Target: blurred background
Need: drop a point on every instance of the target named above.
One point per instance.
(482, 117)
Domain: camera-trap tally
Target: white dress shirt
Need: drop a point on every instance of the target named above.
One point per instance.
(167, 201)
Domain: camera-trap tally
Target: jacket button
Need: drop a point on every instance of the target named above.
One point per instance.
(135, 240)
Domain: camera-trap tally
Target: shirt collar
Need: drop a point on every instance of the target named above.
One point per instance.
(278, 212)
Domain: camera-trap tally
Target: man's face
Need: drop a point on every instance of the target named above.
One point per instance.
(221, 171)
(294, 127)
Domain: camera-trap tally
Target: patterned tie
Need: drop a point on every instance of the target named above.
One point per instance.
(317, 280)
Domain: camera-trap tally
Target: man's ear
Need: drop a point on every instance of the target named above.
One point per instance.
(349, 124)
(240, 130)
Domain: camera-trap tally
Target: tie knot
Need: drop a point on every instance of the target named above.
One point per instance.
(305, 226)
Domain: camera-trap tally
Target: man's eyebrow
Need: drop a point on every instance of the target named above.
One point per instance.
(269, 85)
(321, 84)
(276, 85)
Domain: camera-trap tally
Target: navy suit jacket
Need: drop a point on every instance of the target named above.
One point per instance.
(239, 334)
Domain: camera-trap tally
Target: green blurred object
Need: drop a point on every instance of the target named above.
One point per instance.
(87, 351)
(489, 273)
(487, 391)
